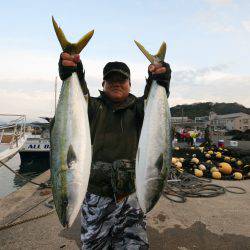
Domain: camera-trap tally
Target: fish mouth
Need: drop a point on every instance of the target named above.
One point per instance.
(154, 194)
(152, 203)
(64, 217)
(65, 223)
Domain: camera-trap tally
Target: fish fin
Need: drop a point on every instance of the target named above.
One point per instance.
(162, 52)
(86, 97)
(72, 48)
(83, 41)
(159, 57)
(71, 156)
(60, 35)
(159, 163)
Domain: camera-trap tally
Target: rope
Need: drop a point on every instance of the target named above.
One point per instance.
(183, 185)
(41, 185)
(26, 220)
(242, 190)
(13, 223)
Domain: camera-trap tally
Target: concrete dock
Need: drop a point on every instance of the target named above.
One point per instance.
(221, 222)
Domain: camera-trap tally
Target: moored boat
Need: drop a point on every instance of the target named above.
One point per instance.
(35, 151)
(12, 135)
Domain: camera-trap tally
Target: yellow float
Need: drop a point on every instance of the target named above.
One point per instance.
(195, 160)
(218, 155)
(233, 159)
(174, 160)
(178, 165)
(214, 169)
(237, 176)
(181, 160)
(202, 167)
(207, 155)
(225, 168)
(216, 175)
(239, 162)
(198, 172)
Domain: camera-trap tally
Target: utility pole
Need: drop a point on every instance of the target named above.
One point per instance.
(55, 92)
(182, 117)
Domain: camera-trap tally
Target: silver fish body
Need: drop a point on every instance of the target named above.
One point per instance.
(70, 151)
(154, 150)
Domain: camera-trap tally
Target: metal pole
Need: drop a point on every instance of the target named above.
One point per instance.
(55, 92)
(182, 116)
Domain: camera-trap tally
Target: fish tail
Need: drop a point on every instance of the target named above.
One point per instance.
(71, 48)
(162, 51)
(159, 57)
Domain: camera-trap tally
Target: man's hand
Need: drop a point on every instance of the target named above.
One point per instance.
(157, 68)
(69, 60)
(161, 73)
(69, 64)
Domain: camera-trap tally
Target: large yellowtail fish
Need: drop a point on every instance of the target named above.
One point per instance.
(70, 141)
(154, 149)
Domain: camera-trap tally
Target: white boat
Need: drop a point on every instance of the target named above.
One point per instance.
(12, 135)
(38, 139)
(36, 149)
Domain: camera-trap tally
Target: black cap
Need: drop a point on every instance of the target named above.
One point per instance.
(119, 67)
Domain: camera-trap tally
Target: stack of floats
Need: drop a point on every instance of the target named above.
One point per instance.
(211, 162)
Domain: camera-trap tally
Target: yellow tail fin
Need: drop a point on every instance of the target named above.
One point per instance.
(159, 57)
(71, 48)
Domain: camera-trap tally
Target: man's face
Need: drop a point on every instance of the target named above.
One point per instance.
(116, 87)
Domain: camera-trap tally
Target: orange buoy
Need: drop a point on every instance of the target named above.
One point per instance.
(225, 168)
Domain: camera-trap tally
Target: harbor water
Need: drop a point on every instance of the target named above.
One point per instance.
(9, 182)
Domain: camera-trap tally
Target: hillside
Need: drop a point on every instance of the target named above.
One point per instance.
(203, 109)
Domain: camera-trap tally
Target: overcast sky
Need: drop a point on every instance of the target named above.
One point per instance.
(208, 47)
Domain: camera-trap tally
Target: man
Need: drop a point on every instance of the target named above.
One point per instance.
(207, 136)
(111, 216)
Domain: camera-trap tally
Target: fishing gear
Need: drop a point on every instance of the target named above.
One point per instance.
(14, 221)
(181, 185)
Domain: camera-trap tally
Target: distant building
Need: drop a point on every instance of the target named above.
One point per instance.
(235, 121)
(179, 120)
(201, 119)
(185, 122)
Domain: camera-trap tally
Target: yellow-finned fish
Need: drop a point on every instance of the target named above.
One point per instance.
(70, 141)
(153, 158)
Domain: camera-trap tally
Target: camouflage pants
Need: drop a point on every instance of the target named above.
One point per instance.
(106, 224)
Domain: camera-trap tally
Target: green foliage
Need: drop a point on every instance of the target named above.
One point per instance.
(204, 108)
